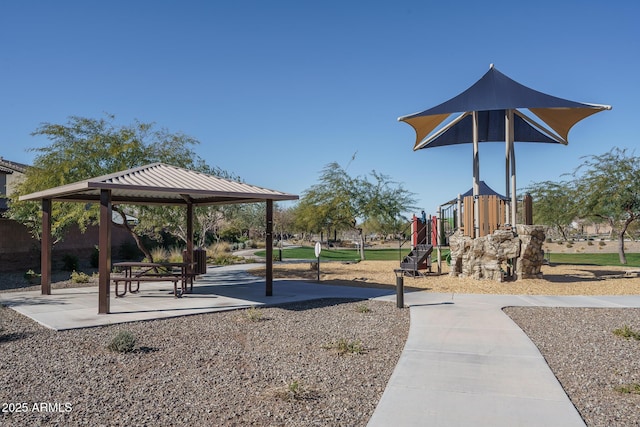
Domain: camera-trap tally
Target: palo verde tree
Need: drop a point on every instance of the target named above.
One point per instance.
(608, 188)
(554, 204)
(84, 148)
(341, 202)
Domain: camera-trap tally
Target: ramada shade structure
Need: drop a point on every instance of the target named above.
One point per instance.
(492, 109)
(154, 184)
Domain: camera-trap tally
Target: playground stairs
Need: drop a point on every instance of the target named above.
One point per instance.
(417, 261)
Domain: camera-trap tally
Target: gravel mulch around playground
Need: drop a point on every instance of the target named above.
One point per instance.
(279, 366)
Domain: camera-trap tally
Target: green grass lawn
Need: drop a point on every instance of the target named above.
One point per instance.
(610, 259)
(307, 253)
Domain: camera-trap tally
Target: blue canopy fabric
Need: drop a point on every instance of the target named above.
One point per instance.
(492, 96)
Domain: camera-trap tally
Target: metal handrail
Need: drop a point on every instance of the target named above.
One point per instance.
(401, 243)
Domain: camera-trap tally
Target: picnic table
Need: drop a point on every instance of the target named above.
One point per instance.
(154, 272)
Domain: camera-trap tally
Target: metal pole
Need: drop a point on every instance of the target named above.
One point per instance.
(510, 167)
(439, 238)
(104, 262)
(514, 200)
(400, 291)
(476, 177)
(459, 210)
(269, 248)
(45, 249)
(508, 118)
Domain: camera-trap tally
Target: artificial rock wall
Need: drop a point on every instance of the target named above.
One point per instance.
(492, 257)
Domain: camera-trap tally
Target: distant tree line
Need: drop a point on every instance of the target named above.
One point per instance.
(604, 188)
(85, 148)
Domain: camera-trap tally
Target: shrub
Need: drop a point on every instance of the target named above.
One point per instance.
(344, 346)
(363, 308)
(31, 275)
(160, 254)
(633, 388)
(216, 249)
(123, 342)
(602, 243)
(79, 277)
(254, 314)
(226, 259)
(627, 332)
(69, 262)
(175, 254)
(296, 391)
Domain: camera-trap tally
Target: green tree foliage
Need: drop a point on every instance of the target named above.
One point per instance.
(608, 188)
(554, 204)
(84, 148)
(342, 202)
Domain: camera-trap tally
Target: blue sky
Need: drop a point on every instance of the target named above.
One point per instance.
(274, 91)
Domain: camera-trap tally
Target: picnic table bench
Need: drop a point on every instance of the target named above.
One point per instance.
(136, 272)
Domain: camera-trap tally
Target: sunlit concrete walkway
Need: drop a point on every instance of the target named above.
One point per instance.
(222, 288)
(466, 363)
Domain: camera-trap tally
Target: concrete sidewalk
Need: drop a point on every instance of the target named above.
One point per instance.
(222, 288)
(467, 363)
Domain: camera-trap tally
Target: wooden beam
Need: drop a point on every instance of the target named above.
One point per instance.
(269, 247)
(45, 250)
(104, 245)
(189, 233)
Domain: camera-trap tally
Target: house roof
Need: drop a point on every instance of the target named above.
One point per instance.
(161, 184)
(7, 166)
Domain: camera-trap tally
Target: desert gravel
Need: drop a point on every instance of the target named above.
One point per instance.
(588, 359)
(278, 366)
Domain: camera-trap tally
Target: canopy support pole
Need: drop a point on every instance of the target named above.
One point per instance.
(189, 256)
(476, 178)
(512, 161)
(269, 248)
(507, 165)
(104, 253)
(510, 169)
(45, 249)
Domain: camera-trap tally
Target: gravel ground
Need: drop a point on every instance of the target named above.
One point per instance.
(588, 359)
(218, 369)
(239, 372)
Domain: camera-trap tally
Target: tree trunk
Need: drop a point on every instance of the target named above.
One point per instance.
(139, 243)
(621, 254)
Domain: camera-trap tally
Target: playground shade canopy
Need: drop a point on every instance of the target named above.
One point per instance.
(492, 110)
(491, 97)
(483, 190)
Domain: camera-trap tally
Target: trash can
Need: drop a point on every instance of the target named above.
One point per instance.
(200, 258)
